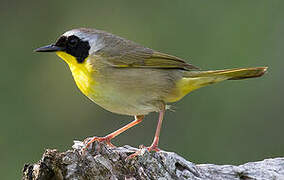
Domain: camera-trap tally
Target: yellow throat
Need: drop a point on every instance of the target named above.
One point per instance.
(82, 72)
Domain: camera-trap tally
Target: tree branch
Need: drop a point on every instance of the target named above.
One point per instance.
(102, 162)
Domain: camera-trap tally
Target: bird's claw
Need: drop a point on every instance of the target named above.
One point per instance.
(89, 141)
(140, 151)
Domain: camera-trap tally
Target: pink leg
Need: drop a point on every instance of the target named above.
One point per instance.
(107, 138)
(154, 145)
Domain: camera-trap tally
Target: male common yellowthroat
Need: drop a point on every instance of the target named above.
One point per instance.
(127, 78)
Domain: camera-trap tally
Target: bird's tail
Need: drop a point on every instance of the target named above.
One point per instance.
(228, 74)
(196, 79)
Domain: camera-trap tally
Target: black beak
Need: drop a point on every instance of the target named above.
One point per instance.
(49, 48)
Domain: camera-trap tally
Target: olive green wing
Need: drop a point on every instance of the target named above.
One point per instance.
(130, 55)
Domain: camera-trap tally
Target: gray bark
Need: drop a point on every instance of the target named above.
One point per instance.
(103, 162)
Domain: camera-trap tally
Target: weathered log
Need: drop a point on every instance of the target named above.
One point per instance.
(103, 162)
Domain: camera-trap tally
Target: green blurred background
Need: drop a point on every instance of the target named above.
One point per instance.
(228, 123)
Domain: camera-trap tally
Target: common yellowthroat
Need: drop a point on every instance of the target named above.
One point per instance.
(127, 78)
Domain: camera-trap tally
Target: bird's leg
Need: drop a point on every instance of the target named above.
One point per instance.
(107, 138)
(154, 145)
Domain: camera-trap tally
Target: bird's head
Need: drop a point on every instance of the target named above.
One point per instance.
(75, 46)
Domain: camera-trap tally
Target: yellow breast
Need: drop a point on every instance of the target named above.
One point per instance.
(83, 73)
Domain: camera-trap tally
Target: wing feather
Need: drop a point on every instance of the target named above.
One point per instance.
(127, 54)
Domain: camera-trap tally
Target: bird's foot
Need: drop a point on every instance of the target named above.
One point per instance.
(140, 151)
(89, 141)
(150, 148)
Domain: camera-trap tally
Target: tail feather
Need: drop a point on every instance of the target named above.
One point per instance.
(230, 74)
(196, 79)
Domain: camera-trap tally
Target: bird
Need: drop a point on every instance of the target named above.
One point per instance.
(127, 78)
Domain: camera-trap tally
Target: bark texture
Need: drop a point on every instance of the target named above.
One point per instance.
(103, 162)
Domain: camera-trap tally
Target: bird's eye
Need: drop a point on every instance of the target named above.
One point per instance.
(72, 42)
(61, 42)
